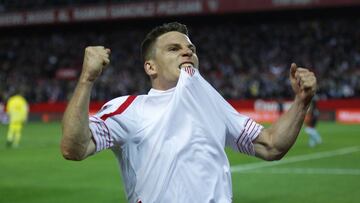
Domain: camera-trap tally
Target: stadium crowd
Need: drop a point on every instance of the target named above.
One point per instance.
(16, 5)
(240, 60)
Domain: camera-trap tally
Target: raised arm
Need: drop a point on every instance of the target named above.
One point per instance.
(274, 142)
(76, 142)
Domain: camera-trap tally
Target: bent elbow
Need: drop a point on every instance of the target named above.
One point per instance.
(69, 153)
(274, 155)
(271, 158)
(71, 156)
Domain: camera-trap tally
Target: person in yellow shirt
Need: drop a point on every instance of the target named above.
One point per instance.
(17, 109)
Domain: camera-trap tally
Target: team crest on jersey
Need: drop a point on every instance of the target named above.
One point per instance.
(189, 70)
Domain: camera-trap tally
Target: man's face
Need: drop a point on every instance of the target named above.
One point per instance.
(172, 51)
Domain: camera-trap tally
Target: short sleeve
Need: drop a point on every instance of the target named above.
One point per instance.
(241, 138)
(101, 133)
(241, 131)
(113, 124)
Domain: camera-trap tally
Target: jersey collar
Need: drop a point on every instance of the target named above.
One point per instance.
(158, 92)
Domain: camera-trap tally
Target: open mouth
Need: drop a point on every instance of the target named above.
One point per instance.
(186, 65)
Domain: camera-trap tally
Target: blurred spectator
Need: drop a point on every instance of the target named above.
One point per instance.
(3, 115)
(239, 60)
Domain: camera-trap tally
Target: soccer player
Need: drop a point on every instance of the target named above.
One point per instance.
(170, 142)
(311, 120)
(17, 109)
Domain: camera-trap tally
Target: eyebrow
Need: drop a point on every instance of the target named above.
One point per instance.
(178, 45)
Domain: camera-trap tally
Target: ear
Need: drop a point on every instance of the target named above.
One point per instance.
(150, 68)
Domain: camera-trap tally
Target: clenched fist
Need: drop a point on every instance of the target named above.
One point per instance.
(96, 58)
(303, 83)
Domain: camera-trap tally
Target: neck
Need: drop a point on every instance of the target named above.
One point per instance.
(162, 85)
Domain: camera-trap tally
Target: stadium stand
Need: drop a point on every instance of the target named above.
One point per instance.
(16, 5)
(242, 60)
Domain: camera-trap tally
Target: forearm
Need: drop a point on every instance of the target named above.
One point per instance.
(75, 124)
(284, 131)
(274, 142)
(76, 143)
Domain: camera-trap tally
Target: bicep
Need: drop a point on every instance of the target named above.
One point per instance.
(261, 144)
(264, 147)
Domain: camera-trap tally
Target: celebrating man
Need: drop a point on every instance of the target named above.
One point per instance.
(170, 142)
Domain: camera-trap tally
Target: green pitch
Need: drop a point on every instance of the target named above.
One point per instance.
(37, 173)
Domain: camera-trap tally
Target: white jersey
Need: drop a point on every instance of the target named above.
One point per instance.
(170, 144)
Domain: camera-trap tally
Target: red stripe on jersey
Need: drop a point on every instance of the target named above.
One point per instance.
(121, 108)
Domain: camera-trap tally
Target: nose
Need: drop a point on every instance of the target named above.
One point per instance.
(187, 52)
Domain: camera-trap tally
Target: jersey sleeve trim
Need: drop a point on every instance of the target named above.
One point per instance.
(100, 134)
(249, 133)
(121, 108)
